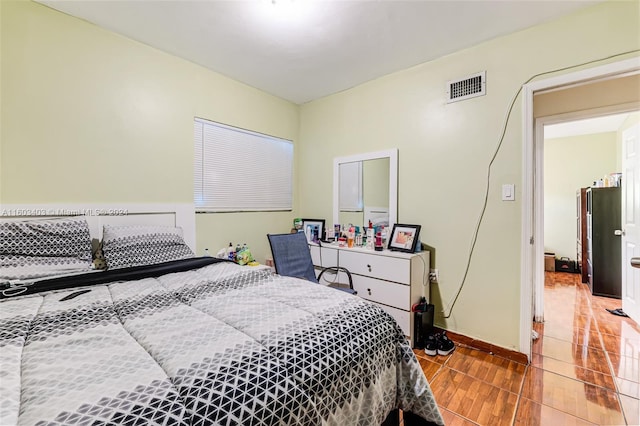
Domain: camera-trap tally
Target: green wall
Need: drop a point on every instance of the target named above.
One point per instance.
(89, 116)
(571, 163)
(445, 149)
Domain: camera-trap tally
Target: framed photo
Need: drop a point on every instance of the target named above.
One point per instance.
(313, 229)
(404, 237)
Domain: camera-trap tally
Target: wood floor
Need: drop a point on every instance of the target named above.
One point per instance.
(585, 368)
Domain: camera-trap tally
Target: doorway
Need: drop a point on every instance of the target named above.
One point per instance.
(532, 237)
(580, 154)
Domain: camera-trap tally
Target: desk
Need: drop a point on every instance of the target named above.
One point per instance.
(393, 280)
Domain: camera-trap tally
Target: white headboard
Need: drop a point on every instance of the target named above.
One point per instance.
(98, 215)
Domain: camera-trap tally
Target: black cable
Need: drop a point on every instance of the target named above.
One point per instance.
(495, 154)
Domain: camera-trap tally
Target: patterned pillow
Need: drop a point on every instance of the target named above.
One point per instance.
(44, 247)
(127, 246)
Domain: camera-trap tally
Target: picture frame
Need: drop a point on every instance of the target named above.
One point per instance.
(404, 237)
(313, 229)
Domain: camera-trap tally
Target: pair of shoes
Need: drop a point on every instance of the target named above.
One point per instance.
(431, 345)
(438, 344)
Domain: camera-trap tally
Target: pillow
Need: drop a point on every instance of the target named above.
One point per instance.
(127, 246)
(44, 247)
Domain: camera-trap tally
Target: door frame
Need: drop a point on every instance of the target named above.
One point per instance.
(532, 232)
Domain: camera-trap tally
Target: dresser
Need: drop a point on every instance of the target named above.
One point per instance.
(392, 280)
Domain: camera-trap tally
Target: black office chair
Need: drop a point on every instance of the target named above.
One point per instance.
(292, 258)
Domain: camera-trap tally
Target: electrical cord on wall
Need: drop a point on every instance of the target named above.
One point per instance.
(425, 277)
(495, 154)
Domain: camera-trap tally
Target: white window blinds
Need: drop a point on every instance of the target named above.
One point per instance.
(240, 170)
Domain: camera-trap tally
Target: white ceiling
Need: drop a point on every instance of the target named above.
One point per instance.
(301, 50)
(609, 123)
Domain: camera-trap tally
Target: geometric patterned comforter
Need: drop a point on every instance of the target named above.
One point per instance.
(222, 344)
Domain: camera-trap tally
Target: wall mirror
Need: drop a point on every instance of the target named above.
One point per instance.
(365, 187)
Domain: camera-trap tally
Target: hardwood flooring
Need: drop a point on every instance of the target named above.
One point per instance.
(585, 368)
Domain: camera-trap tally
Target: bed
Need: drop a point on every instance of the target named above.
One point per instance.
(195, 341)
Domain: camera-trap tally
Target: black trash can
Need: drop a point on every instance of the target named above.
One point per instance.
(422, 325)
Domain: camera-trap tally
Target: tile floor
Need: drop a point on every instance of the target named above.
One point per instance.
(585, 368)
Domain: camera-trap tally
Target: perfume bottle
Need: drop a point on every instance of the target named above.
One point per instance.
(370, 236)
(378, 244)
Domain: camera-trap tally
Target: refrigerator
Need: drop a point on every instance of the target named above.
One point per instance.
(604, 246)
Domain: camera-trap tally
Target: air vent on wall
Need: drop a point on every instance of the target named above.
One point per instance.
(467, 87)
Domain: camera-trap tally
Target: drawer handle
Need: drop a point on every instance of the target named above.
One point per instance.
(369, 266)
(369, 290)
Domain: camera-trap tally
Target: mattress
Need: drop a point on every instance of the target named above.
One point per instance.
(196, 342)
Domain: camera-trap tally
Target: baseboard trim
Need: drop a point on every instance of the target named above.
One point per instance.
(486, 347)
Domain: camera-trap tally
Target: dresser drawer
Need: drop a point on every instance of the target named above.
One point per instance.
(396, 295)
(387, 268)
(403, 318)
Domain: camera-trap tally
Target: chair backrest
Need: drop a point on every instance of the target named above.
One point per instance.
(291, 255)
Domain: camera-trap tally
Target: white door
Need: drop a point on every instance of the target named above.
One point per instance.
(631, 221)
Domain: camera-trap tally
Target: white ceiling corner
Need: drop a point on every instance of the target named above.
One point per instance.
(301, 50)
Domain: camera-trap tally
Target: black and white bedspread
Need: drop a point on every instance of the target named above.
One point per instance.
(220, 344)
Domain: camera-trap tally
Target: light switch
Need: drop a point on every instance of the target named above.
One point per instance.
(508, 192)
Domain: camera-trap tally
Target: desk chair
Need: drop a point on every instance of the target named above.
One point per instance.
(292, 258)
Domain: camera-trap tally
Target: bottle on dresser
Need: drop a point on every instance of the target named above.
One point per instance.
(351, 234)
(231, 253)
(378, 243)
(370, 237)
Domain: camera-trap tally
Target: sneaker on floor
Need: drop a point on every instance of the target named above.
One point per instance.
(445, 346)
(431, 345)
(618, 312)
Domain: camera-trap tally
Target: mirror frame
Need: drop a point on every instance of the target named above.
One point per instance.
(392, 155)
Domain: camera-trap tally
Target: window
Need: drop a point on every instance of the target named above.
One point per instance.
(240, 170)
